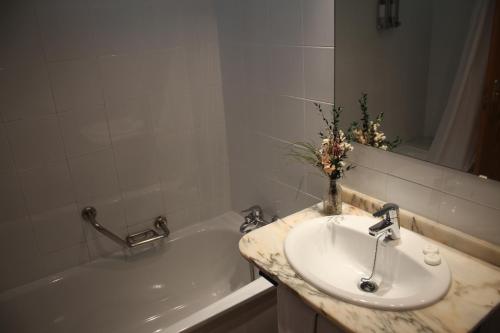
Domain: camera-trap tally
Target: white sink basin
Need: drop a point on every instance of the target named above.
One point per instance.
(334, 253)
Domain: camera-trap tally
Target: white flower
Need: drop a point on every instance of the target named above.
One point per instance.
(379, 137)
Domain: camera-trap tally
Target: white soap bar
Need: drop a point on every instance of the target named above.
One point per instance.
(429, 248)
(432, 259)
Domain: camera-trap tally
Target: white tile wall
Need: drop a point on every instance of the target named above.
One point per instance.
(272, 65)
(23, 261)
(287, 70)
(50, 225)
(168, 21)
(19, 35)
(144, 204)
(47, 187)
(470, 187)
(76, 84)
(318, 73)
(12, 203)
(123, 27)
(35, 142)
(67, 29)
(262, 112)
(474, 219)
(372, 182)
(129, 116)
(286, 22)
(115, 104)
(258, 66)
(257, 20)
(122, 76)
(318, 21)
(276, 58)
(6, 162)
(94, 176)
(85, 131)
(288, 118)
(25, 92)
(136, 160)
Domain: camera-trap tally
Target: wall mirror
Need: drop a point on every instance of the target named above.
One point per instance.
(431, 66)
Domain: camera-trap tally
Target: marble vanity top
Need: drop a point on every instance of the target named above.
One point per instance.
(474, 292)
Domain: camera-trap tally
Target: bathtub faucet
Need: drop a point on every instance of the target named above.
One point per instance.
(254, 219)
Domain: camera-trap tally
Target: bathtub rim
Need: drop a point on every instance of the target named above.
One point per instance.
(237, 298)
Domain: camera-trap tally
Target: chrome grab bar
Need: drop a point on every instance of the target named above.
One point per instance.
(89, 214)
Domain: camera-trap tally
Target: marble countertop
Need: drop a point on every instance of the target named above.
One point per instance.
(474, 292)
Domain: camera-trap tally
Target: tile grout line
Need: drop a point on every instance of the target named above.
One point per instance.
(60, 132)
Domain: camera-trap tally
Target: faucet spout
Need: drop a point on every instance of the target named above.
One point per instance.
(380, 227)
(389, 224)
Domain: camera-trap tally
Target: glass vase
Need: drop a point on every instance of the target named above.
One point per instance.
(332, 201)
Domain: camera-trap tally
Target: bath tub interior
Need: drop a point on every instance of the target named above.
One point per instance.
(144, 291)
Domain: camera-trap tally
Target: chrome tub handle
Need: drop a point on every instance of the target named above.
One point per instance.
(89, 214)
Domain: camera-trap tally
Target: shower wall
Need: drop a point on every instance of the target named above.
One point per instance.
(277, 58)
(111, 103)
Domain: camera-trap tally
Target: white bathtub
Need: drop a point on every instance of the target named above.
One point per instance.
(159, 290)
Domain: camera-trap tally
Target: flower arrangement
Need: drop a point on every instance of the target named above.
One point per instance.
(369, 132)
(330, 155)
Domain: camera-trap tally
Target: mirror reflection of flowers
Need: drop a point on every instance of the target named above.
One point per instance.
(369, 132)
(330, 155)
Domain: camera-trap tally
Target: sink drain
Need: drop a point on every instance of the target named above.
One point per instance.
(368, 286)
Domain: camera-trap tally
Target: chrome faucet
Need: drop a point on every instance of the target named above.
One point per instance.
(389, 224)
(254, 219)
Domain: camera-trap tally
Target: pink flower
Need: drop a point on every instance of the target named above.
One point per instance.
(329, 169)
